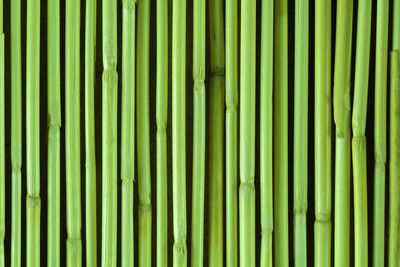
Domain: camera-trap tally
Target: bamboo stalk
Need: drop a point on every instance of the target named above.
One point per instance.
(231, 101)
(178, 131)
(247, 133)
(54, 124)
(199, 131)
(109, 135)
(143, 134)
(394, 164)
(128, 133)
(2, 141)
(342, 109)
(33, 202)
(16, 133)
(216, 133)
(162, 116)
(90, 168)
(379, 142)
(300, 155)
(323, 98)
(281, 220)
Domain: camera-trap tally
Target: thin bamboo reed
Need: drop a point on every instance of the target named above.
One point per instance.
(266, 132)
(90, 167)
(53, 135)
(342, 109)
(16, 133)
(2, 141)
(216, 133)
(323, 100)
(178, 132)
(33, 202)
(231, 101)
(281, 198)
(379, 143)
(394, 164)
(109, 134)
(199, 131)
(162, 116)
(128, 133)
(247, 133)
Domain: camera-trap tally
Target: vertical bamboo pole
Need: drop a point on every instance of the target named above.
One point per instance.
(109, 135)
(178, 131)
(342, 109)
(231, 101)
(216, 132)
(33, 134)
(162, 116)
(281, 220)
(247, 133)
(128, 132)
(16, 133)
(2, 141)
(300, 156)
(199, 130)
(53, 135)
(90, 168)
(323, 100)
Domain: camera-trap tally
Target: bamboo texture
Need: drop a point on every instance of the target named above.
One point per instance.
(53, 135)
(2, 141)
(109, 134)
(128, 133)
(178, 132)
(342, 110)
(300, 153)
(281, 197)
(231, 102)
(33, 202)
(162, 117)
(199, 131)
(16, 133)
(323, 100)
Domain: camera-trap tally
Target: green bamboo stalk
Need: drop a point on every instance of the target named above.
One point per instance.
(128, 132)
(2, 141)
(16, 133)
(266, 132)
(247, 133)
(54, 124)
(178, 132)
(342, 109)
(143, 133)
(231, 101)
(379, 140)
(109, 135)
(300, 155)
(162, 116)
(216, 133)
(90, 167)
(199, 130)
(323, 100)
(281, 219)
(33, 202)
(394, 164)
(72, 132)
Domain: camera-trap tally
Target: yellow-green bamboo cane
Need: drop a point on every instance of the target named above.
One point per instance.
(323, 102)
(2, 142)
(216, 133)
(178, 132)
(281, 145)
(341, 108)
(109, 134)
(33, 134)
(90, 168)
(16, 133)
(53, 135)
(199, 131)
(128, 132)
(231, 101)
